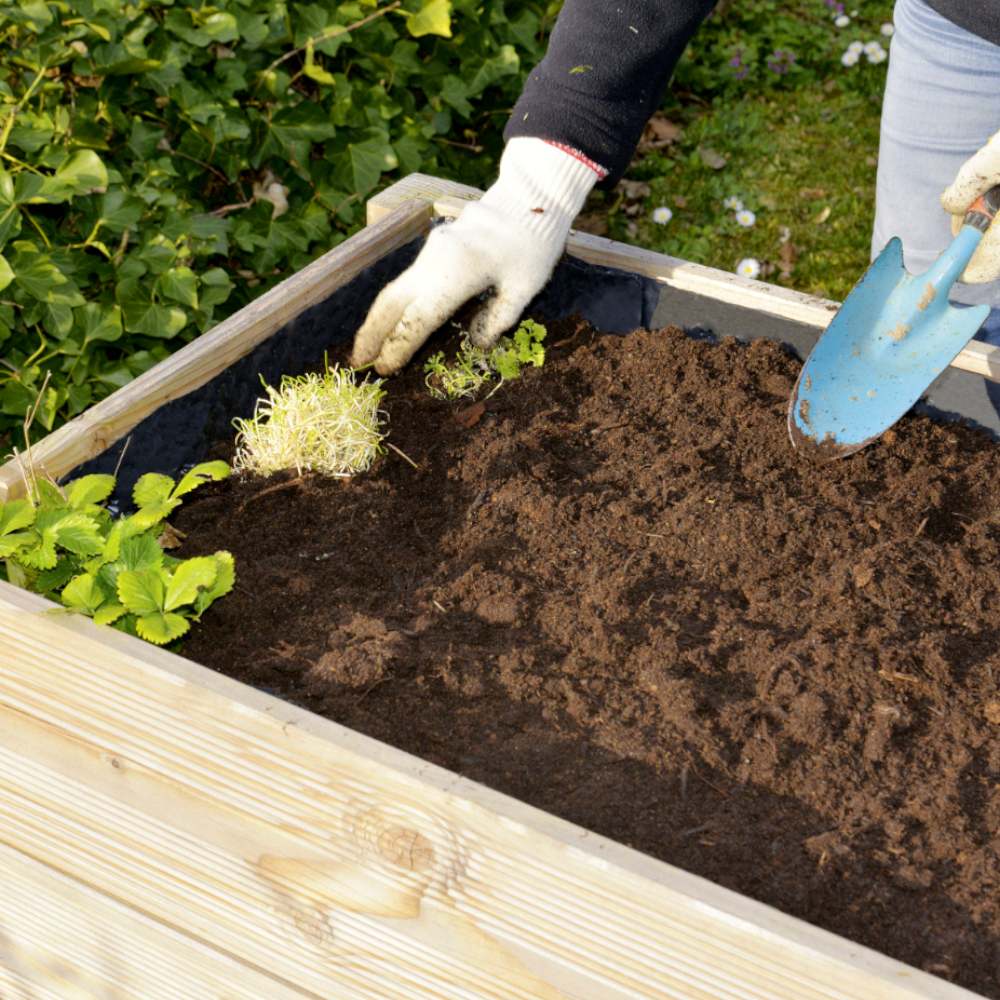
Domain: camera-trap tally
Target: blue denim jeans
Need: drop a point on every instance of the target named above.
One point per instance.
(942, 103)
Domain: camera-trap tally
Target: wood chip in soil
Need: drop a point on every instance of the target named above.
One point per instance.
(619, 595)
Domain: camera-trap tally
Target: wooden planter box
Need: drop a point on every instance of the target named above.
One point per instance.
(166, 832)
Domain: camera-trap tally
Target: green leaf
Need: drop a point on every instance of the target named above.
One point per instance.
(316, 72)
(83, 594)
(55, 578)
(84, 170)
(201, 473)
(161, 628)
(152, 488)
(224, 581)
(109, 613)
(80, 534)
(6, 273)
(179, 284)
(139, 551)
(190, 577)
(141, 590)
(9, 544)
(433, 18)
(99, 321)
(16, 514)
(41, 554)
(36, 274)
(362, 163)
(142, 315)
(216, 286)
(89, 489)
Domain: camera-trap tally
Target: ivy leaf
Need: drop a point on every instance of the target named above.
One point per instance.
(216, 286)
(433, 18)
(361, 164)
(179, 284)
(83, 170)
(121, 60)
(99, 321)
(142, 315)
(6, 273)
(316, 72)
(35, 273)
(189, 578)
(141, 590)
(161, 628)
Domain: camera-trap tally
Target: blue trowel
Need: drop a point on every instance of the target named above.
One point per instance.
(894, 334)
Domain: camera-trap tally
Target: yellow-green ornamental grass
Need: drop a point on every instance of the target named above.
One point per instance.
(326, 423)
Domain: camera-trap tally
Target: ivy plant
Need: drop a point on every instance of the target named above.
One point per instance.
(63, 542)
(164, 162)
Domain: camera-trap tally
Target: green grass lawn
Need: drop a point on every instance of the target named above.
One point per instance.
(799, 152)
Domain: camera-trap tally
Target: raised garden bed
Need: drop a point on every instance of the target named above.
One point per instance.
(775, 677)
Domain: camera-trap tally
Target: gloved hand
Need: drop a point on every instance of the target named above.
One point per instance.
(975, 177)
(510, 241)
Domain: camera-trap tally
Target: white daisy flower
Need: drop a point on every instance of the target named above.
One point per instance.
(854, 13)
(745, 217)
(872, 47)
(876, 57)
(888, 30)
(842, 21)
(733, 204)
(749, 267)
(662, 215)
(849, 58)
(856, 47)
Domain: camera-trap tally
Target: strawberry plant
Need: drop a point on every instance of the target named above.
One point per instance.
(63, 542)
(473, 367)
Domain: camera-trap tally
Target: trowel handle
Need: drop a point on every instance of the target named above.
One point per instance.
(983, 210)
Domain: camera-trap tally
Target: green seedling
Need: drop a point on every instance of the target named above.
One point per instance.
(473, 367)
(321, 423)
(63, 542)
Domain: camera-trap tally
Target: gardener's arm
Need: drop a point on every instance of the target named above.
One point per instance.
(576, 124)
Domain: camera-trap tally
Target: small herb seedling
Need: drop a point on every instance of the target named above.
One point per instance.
(62, 542)
(473, 367)
(326, 423)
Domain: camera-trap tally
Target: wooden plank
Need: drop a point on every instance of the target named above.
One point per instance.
(421, 186)
(721, 285)
(191, 367)
(60, 939)
(344, 868)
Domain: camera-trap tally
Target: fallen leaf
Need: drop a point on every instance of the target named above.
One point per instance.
(710, 157)
(634, 209)
(471, 414)
(871, 161)
(823, 216)
(632, 230)
(788, 252)
(658, 133)
(680, 201)
(171, 537)
(863, 575)
(812, 194)
(634, 189)
(597, 225)
(768, 202)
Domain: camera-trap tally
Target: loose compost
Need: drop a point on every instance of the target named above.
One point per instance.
(613, 590)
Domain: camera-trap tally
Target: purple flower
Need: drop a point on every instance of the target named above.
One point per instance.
(780, 62)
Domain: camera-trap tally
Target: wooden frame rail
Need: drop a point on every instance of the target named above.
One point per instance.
(166, 832)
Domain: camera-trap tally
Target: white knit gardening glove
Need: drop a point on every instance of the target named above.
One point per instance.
(509, 241)
(975, 177)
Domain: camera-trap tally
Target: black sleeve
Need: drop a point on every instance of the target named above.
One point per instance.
(607, 66)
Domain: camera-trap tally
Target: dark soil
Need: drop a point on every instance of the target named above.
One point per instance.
(618, 594)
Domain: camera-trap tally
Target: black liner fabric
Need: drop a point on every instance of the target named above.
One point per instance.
(181, 432)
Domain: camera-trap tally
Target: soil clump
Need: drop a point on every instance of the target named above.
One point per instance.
(614, 591)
